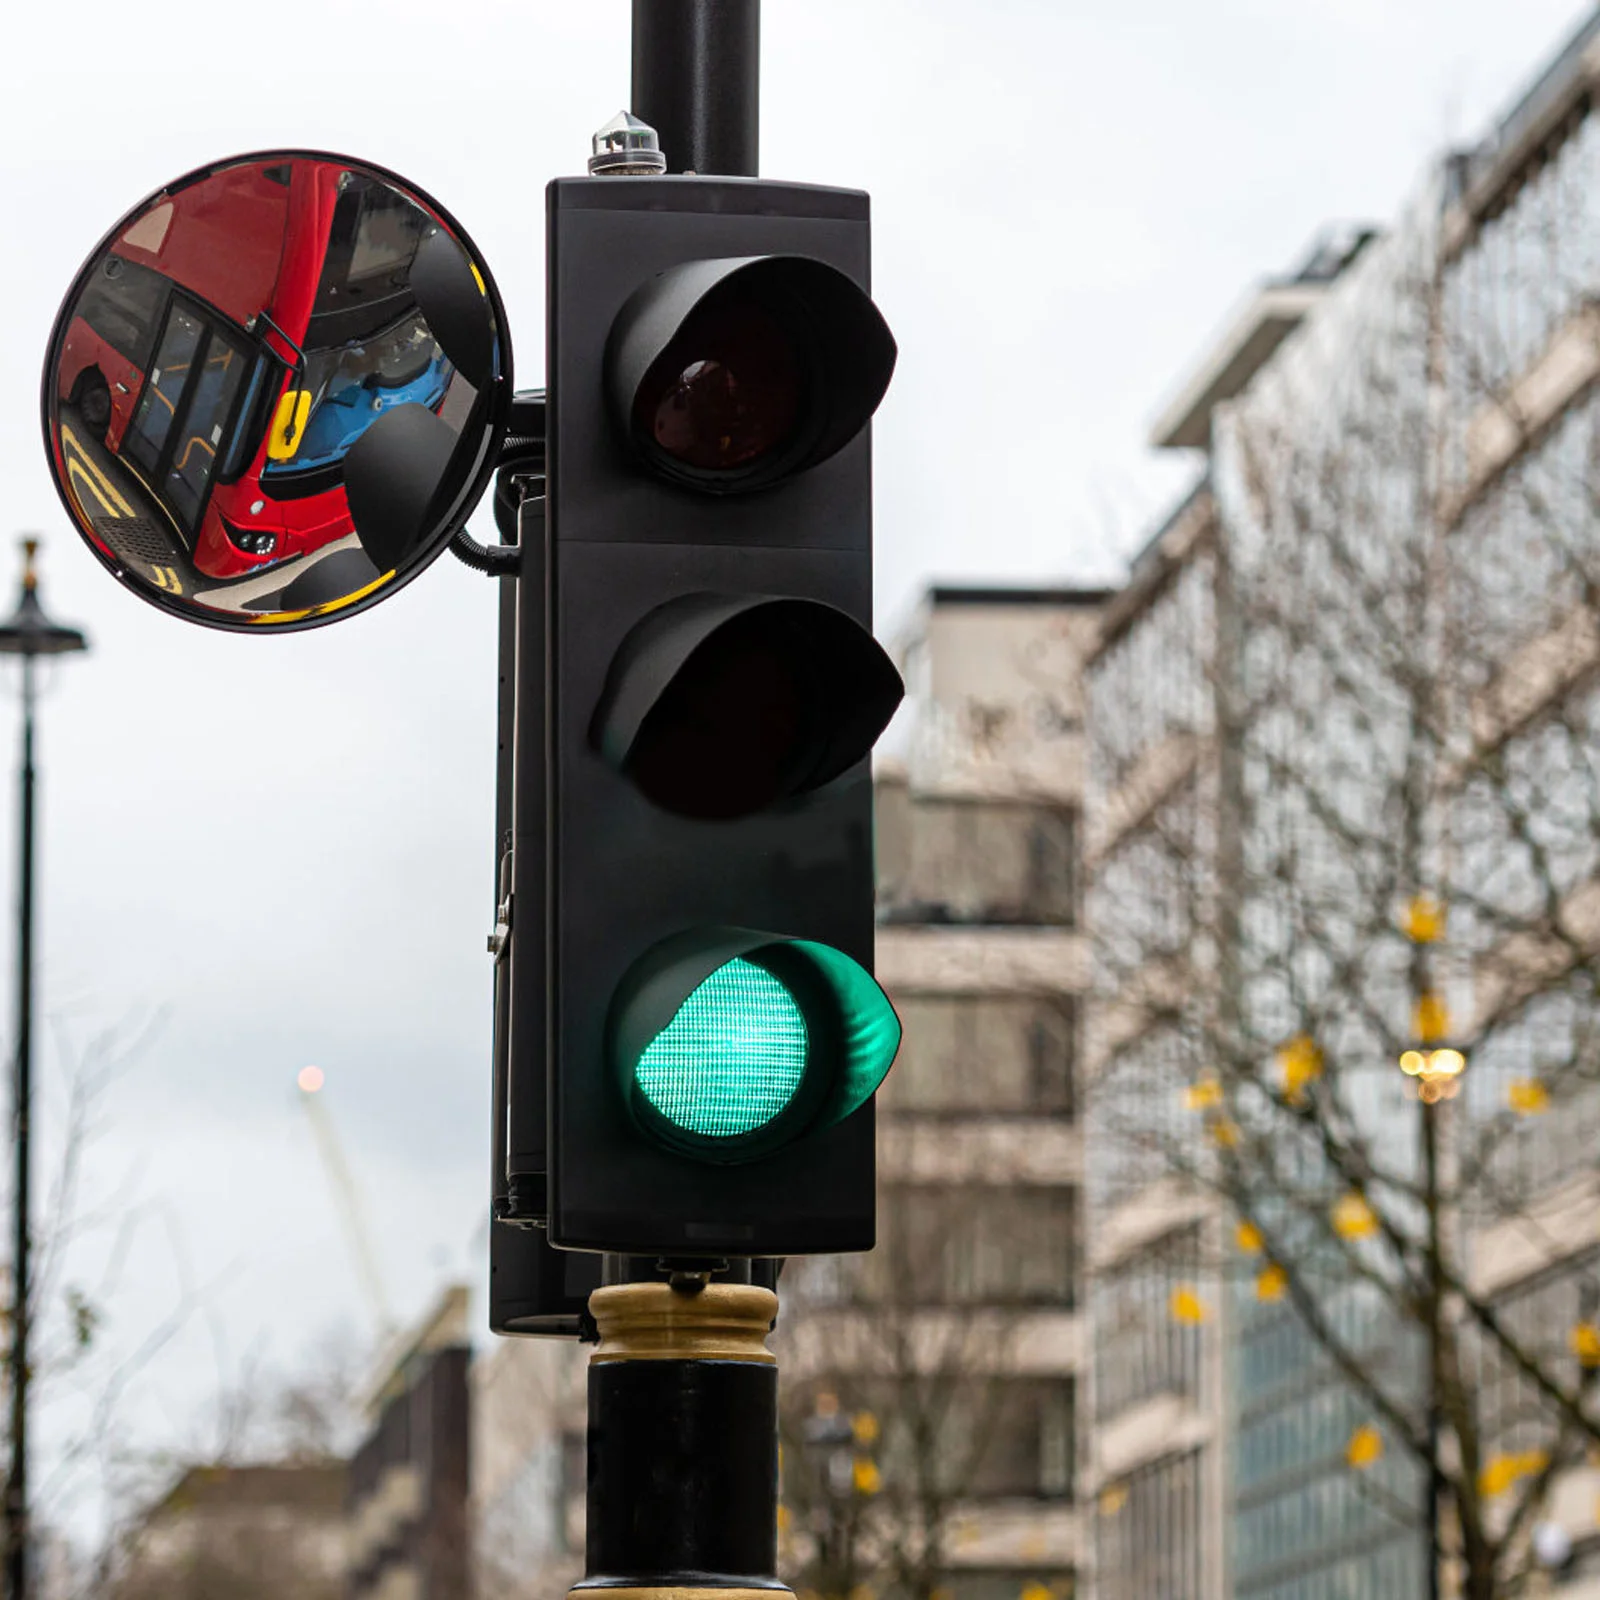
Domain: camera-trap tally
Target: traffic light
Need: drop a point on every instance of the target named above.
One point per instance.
(696, 795)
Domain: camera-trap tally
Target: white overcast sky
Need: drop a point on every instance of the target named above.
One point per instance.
(286, 843)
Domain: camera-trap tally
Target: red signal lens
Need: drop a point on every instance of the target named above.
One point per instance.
(728, 391)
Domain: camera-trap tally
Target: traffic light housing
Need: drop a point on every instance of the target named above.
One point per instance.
(697, 793)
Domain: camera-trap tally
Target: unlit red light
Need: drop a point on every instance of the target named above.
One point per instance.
(310, 1079)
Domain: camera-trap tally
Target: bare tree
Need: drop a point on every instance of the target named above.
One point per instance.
(907, 1405)
(1347, 935)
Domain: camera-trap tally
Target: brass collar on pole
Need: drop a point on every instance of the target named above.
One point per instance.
(653, 1322)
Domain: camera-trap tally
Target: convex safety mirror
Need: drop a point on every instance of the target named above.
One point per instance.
(276, 389)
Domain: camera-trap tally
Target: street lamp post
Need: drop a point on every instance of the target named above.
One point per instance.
(27, 633)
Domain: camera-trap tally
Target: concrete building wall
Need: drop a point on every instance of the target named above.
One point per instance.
(974, 1289)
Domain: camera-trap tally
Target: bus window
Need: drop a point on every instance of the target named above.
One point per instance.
(122, 302)
(204, 422)
(174, 357)
(371, 242)
(262, 391)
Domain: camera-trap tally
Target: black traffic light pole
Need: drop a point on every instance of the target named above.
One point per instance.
(683, 1393)
(697, 82)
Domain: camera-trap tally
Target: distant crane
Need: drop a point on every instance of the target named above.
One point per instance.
(347, 1198)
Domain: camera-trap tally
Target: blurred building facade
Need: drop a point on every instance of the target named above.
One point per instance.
(407, 1495)
(1465, 339)
(959, 1342)
(251, 1532)
(529, 1407)
(1519, 273)
(1158, 1316)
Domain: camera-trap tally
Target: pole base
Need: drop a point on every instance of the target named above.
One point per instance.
(683, 1445)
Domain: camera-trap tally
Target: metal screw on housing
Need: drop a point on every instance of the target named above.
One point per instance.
(627, 148)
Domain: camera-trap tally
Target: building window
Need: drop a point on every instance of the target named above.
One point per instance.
(1540, 1314)
(1000, 1245)
(1148, 1533)
(1142, 1348)
(1006, 1583)
(986, 1053)
(979, 863)
(960, 1438)
(1154, 682)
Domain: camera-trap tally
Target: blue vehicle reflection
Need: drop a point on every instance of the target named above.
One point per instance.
(353, 385)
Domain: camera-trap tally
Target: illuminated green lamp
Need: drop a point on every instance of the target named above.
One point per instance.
(730, 1043)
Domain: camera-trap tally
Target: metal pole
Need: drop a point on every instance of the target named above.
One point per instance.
(683, 1444)
(696, 81)
(17, 1482)
(1430, 1164)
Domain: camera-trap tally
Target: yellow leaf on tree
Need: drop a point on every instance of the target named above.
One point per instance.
(1301, 1061)
(1431, 1023)
(1585, 1343)
(1112, 1499)
(1365, 1448)
(1271, 1281)
(1186, 1306)
(1423, 921)
(1353, 1218)
(1248, 1238)
(1037, 1591)
(1531, 1462)
(864, 1425)
(1499, 1473)
(1528, 1097)
(865, 1475)
(1205, 1094)
(1224, 1134)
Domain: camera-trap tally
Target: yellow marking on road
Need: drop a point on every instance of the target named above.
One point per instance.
(322, 610)
(167, 578)
(105, 483)
(75, 472)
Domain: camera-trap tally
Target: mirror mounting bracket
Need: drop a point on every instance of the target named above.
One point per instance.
(519, 482)
(494, 560)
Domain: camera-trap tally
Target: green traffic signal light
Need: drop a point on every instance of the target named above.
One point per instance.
(731, 1043)
(731, 1059)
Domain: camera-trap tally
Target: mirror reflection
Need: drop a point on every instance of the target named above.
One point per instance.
(276, 390)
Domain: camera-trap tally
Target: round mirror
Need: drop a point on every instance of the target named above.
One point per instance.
(276, 389)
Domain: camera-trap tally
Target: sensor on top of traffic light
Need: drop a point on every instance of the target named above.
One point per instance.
(697, 789)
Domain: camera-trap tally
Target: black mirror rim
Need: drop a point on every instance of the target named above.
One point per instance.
(475, 485)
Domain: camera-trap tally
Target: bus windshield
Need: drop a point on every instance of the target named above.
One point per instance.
(351, 385)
